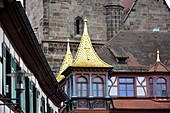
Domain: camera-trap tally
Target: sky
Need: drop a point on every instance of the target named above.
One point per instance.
(168, 2)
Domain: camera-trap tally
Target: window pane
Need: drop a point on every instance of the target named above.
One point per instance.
(81, 79)
(163, 92)
(84, 87)
(159, 93)
(161, 80)
(130, 93)
(78, 93)
(100, 87)
(94, 93)
(100, 93)
(130, 87)
(122, 93)
(126, 86)
(94, 86)
(78, 86)
(84, 93)
(129, 80)
(151, 87)
(122, 80)
(150, 80)
(163, 87)
(122, 87)
(159, 87)
(97, 80)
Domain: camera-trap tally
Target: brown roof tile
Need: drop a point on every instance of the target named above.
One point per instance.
(140, 46)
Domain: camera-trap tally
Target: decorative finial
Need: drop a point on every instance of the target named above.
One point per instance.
(85, 20)
(68, 40)
(85, 33)
(158, 56)
(68, 46)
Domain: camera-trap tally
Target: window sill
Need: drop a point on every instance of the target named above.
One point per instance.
(162, 100)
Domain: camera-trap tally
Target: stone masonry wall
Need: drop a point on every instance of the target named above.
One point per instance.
(147, 15)
(35, 13)
(63, 12)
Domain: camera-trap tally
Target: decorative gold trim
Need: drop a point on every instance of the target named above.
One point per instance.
(86, 55)
(68, 60)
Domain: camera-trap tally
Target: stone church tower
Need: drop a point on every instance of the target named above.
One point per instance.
(56, 20)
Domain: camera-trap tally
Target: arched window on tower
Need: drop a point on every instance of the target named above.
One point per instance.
(78, 26)
(82, 87)
(161, 87)
(151, 86)
(98, 87)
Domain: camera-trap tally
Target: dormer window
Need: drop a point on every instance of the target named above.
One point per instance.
(78, 26)
(119, 55)
(122, 60)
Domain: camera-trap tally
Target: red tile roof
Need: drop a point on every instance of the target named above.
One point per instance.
(138, 104)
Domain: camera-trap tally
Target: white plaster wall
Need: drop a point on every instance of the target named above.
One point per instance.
(5, 109)
(6, 41)
(12, 50)
(1, 40)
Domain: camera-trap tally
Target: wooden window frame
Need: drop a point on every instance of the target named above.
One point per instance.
(151, 84)
(161, 83)
(81, 85)
(127, 83)
(97, 87)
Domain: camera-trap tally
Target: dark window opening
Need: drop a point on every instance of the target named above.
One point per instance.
(77, 27)
(122, 60)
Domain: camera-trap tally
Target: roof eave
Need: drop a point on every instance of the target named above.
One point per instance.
(18, 29)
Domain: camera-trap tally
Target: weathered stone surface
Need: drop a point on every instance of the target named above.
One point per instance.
(55, 21)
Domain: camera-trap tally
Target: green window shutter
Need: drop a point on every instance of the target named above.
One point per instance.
(51, 111)
(30, 96)
(4, 68)
(13, 79)
(37, 101)
(42, 105)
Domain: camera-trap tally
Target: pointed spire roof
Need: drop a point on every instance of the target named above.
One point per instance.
(86, 55)
(68, 60)
(158, 66)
